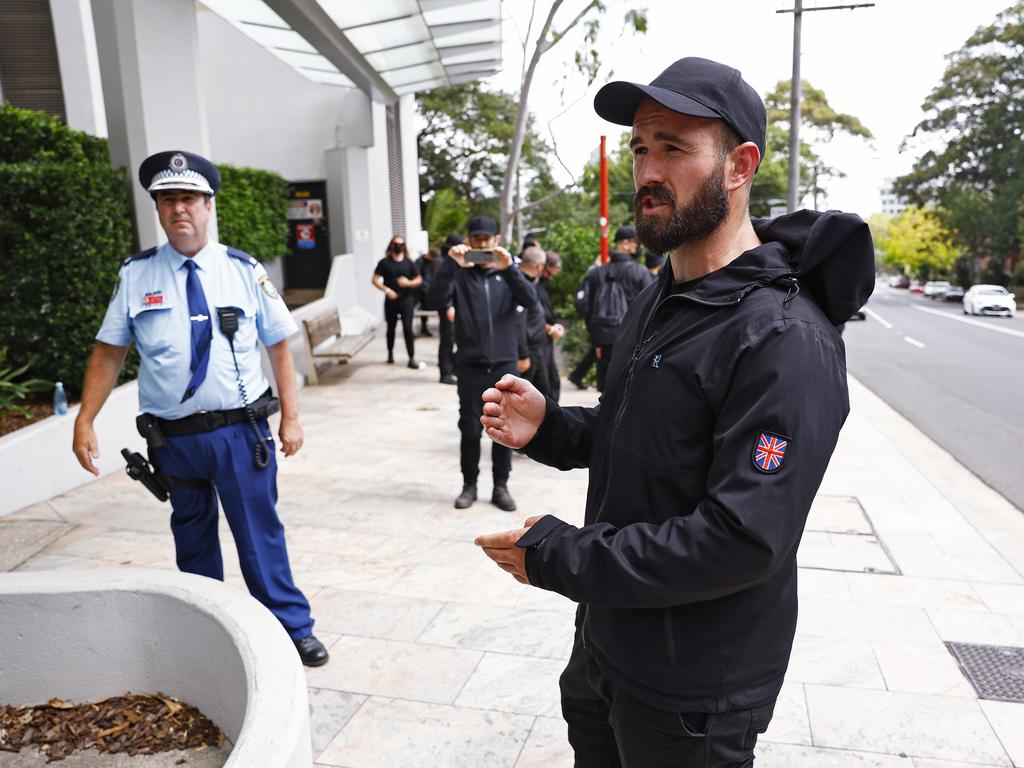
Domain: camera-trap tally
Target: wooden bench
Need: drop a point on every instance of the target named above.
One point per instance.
(320, 329)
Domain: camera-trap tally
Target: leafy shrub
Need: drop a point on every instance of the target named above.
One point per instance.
(252, 211)
(11, 389)
(65, 228)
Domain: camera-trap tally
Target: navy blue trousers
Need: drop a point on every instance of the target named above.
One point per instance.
(249, 495)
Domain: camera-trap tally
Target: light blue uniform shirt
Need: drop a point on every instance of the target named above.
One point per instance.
(150, 307)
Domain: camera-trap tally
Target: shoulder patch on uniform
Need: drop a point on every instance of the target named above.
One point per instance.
(139, 256)
(242, 256)
(265, 283)
(770, 452)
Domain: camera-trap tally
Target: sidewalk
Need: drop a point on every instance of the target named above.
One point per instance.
(441, 660)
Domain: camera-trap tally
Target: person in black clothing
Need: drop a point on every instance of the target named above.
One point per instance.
(606, 293)
(654, 263)
(426, 265)
(725, 397)
(485, 296)
(397, 277)
(555, 330)
(533, 328)
(445, 332)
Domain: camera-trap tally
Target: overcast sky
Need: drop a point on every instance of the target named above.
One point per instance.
(876, 63)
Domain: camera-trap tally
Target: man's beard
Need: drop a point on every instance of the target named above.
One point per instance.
(695, 220)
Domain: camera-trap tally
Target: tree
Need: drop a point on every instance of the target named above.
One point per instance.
(587, 62)
(976, 114)
(818, 121)
(918, 243)
(446, 213)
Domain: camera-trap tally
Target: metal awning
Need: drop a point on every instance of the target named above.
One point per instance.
(385, 47)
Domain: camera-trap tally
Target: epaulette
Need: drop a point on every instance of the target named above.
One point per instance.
(242, 256)
(138, 256)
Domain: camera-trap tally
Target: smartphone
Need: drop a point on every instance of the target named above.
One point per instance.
(480, 256)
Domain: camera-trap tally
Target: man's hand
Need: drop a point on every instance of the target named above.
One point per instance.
(450, 314)
(502, 549)
(556, 331)
(85, 446)
(458, 252)
(523, 364)
(403, 281)
(502, 258)
(290, 433)
(391, 294)
(513, 411)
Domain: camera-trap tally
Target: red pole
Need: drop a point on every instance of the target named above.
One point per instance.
(604, 203)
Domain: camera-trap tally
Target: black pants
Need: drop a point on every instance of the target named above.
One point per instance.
(554, 380)
(473, 380)
(540, 368)
(392, 311)
(445, 344)
(610, 729)
(581, 370)
(602, 365)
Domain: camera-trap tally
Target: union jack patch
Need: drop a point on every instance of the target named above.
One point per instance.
(770, 452)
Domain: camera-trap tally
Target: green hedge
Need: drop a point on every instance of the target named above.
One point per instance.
(65, 228)
(252, 211)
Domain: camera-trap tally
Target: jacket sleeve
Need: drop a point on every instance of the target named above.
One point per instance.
(792, 383)
(565, 437)
(439, 294)
(522, 333)
(522, 291)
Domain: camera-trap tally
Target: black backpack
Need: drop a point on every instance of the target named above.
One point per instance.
(607, 308)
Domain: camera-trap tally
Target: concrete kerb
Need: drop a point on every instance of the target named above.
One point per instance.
(83, 636)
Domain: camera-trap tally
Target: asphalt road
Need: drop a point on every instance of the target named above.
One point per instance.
(959, 379)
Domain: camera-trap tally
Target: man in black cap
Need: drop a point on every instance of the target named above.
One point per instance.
(724, 400)
(196, 311)
(605, 295)
(483, 284)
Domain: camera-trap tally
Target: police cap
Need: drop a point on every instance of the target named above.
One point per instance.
(177, 169)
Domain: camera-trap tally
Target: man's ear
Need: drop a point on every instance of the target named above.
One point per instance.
(743, 162)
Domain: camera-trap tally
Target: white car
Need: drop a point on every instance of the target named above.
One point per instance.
(934, 289)
(989, 300)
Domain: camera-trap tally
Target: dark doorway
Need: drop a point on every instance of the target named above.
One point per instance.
(309, 250)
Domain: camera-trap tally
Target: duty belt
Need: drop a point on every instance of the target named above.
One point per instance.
(207, 421)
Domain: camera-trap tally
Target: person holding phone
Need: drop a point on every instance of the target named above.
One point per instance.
(485, 287)
(396, 275)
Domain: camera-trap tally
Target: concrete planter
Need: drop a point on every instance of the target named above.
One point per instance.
(86, 635)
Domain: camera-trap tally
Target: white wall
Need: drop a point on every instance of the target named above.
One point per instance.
(261, 112)
(79, 66)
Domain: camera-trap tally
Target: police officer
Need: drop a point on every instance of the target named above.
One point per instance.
(484, 287)
(724, 400)
(196, 311)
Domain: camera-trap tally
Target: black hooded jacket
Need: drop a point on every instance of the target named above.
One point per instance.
(485, 299)
(685, 569)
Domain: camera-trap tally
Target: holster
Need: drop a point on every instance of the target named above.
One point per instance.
(149, 427)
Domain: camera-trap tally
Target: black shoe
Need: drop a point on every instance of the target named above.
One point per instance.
(449, 379)
(426, 332)
(311, 651)
(416, 364)
(502, 499)
(391, 358)
(466, 498)
(578, 382)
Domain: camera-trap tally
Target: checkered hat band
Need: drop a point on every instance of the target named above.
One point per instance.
(188, 176)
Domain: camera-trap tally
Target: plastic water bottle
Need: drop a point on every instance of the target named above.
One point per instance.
(60, 399)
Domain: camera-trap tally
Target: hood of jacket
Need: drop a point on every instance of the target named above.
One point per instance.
(829, 254)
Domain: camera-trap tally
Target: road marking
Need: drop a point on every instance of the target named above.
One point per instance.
(885, 323)
(971, 321)
(915, 342)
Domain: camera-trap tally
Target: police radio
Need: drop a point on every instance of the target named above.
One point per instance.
(228, 320)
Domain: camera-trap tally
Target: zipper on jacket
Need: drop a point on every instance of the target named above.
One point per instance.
(637, 351)
(490, 321)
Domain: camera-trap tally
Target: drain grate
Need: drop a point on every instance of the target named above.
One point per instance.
(995, 671)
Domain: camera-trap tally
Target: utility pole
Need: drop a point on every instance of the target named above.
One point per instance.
(798, 11)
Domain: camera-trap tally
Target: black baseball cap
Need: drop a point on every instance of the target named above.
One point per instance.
(625, 233)
(483, 225)
(692, 86)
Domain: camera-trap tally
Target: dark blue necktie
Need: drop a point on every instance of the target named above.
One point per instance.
(202, 329)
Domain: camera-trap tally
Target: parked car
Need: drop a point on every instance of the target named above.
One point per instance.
(953, 293)
(933, 289)
(989, 300)
(916, 286)
(899, 281)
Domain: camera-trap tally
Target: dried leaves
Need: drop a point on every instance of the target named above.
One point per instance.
(135, 724)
